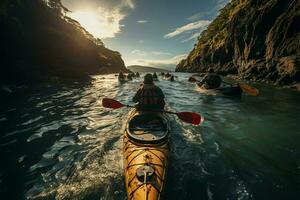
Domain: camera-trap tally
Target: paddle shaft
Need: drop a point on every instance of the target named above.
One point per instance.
(163, 111)
(188, 117)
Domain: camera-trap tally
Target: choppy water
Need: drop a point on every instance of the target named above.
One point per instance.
(58, 142)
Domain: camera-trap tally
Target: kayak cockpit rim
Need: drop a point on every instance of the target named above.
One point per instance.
(146, 127)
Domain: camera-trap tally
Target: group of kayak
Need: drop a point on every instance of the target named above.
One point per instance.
(168, 76)
(124, 78)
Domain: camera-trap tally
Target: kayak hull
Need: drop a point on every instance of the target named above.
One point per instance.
(227, 91)
(231, 91)
(137, 155)
(122, 80)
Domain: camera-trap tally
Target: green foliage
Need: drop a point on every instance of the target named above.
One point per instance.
(215, 33)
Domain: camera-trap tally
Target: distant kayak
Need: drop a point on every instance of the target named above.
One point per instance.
(146, 151)
(170, 78)
(121, 80)
(230, 90)
(192, 79)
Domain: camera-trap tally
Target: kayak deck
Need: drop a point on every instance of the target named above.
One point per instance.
(147, 128)
(146, 159)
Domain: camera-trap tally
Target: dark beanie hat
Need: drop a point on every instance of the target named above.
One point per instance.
(148, 79)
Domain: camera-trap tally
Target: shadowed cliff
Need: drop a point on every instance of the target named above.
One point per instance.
(258, 40)
(39, 42)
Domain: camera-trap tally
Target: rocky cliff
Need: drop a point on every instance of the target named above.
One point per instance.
(258, 40)
(38, 42)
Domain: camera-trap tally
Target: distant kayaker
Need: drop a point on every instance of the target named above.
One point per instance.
(149, 97)
(129, 77)
(210, 80)
(137, 74)
(154, 75)
(192, 79)
(167, 75)
(132, 75)
(121, 76)
(172, 78)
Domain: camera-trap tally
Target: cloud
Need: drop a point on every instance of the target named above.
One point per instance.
(194, 36)
(139, 52)
(141, 41)
(188, 27)
(142, 21)
(210, 14)
(145, 53)
(101, 18)
(196, 16)
(130, 3)
(168, 64)
(220, 4)
(160, 53)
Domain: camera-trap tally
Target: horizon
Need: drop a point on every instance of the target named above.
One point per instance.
(159, 39)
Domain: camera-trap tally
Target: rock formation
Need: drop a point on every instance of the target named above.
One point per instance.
(39, 42)
(257, 40)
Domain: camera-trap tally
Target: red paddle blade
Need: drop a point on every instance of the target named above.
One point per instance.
(248, 89)
(111, 103)
(189, 117)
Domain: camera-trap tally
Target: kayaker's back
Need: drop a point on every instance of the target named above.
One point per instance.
(149, 98)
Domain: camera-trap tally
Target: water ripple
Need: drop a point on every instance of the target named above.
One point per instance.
(60, 143)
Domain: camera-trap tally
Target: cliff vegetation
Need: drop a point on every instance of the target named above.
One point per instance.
(257, 40)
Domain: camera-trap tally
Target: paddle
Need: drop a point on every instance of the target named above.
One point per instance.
(249, 89)
(188, 117)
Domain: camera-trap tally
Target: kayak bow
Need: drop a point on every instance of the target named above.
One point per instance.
(146, 151)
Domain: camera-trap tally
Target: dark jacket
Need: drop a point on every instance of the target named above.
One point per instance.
(149, 97)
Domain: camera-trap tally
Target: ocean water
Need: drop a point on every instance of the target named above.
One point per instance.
(58, 142)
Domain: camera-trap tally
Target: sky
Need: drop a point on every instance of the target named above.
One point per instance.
(156, 33)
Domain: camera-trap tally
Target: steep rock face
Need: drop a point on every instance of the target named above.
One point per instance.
(39, 42)
(255, 39)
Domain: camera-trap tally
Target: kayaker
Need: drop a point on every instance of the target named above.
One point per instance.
(132, 75)
(121, 76)
(172, 78)
(154, 75)
(129, 77)
(137, 74)
(149, 96)
(192, 79)
(211, 80)
(167, 75)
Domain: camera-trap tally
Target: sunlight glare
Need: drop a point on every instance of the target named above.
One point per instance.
(98, 25)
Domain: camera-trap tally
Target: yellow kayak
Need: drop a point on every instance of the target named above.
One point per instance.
(146, 151)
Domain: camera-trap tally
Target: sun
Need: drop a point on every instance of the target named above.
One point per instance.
(91, 22)
(101, 23)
